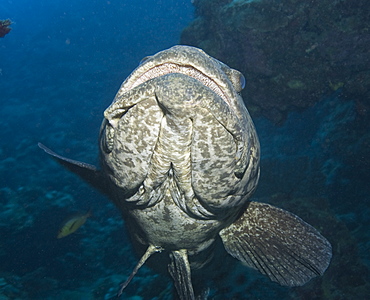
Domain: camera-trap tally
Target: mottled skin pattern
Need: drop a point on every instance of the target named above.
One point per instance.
(270, 251)
(180, 159)
(185, 158)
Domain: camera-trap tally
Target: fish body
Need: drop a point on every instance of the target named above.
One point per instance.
(72, 224)
(180, 159)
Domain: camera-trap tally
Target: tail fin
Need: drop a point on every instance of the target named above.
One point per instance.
(179, 269)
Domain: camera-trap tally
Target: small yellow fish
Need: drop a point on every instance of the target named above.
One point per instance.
(72, 224)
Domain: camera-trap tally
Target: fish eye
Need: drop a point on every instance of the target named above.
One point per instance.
(242, 81)
(237, 79)
(107, 135)
(144, 60)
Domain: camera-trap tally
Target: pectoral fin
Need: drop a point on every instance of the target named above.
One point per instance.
(179, 269)
(87, 172)
(278, 244)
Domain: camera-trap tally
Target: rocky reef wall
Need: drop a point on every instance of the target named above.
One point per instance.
(291, 52)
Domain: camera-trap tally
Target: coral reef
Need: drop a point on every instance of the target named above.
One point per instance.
(4, 27)
(291, 52)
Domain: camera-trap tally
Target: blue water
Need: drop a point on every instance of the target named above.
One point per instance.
(60, 67)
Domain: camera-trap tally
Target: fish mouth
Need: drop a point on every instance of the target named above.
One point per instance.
(186, 60)
(188, 70)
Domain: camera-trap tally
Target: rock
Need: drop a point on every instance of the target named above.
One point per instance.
(291, 52)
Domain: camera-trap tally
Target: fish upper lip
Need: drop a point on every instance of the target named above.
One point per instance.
(189, 61)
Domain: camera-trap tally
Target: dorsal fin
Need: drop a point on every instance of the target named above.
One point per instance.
(87, 172)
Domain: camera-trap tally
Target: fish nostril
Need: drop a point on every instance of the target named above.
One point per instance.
(113, 122)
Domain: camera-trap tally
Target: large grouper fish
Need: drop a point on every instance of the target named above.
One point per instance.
(180, 159)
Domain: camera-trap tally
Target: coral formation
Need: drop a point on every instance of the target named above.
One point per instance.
(4, 27)
(291, 52)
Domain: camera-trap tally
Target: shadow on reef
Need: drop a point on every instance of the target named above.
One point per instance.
(291, 52)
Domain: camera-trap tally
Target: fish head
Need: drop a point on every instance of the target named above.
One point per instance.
(178, 123)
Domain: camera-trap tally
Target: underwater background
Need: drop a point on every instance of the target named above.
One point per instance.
(307, 66)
